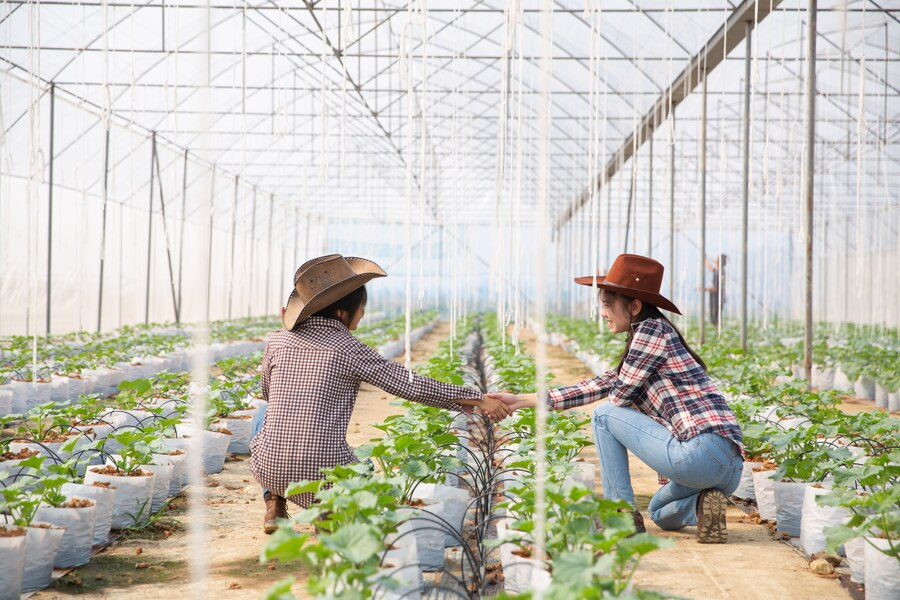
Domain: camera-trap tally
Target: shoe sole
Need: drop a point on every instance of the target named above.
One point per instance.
(711, 520)
(270, 527)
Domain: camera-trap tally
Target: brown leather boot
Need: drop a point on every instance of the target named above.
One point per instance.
(638, 522)
(711, 506)
(276, 508)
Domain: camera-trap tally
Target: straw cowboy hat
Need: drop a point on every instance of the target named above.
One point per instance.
(634, 276)
(323, 281)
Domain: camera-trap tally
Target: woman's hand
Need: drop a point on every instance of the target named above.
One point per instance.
(494, 408)
(514, 402)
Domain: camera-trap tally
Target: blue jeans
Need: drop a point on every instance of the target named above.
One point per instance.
(258, 421)
(706, 461)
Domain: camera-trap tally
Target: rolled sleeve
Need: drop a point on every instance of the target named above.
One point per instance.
(371, 367)
(646, 354)
(583, 392)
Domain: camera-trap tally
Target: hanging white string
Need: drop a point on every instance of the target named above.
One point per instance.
(591, 13)
(423, 16)
(323, 101)
(404, 65)
(36, 170)
(543, 182)
(860, 130)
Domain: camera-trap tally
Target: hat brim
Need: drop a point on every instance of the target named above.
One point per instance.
(657, 300)
(296, 310)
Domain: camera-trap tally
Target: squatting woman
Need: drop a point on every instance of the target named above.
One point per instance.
(662, 406)
(311, 371)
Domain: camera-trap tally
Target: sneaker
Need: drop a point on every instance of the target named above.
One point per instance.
(711, 506)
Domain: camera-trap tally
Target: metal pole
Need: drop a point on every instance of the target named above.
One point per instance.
(808, 180)
(268, 252)
(630, 199)
(162, 208)
(233, 228)
(252, 248)
(212, 211)
(672, 213)
(745, 183)
(103, 227)
(50, 204)
(703, 122)
(181, 235)
(150, 229)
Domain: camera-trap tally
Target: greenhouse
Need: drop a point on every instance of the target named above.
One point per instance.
(431, 299)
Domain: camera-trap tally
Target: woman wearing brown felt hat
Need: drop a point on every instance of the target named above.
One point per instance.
(311, 371)
(663, 407)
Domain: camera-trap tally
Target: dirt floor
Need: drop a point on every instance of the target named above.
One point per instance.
(155, 565)
(751, 565)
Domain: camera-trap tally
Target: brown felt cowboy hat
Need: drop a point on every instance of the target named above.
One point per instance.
(633, 276)
(324, 280)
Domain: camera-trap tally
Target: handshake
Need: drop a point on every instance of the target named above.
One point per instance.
(499, 405)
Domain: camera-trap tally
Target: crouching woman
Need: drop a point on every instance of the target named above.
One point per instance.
(663, 407)
(310, 376)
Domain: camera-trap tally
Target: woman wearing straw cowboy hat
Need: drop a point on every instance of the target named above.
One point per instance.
(311, 371)
(662, 406)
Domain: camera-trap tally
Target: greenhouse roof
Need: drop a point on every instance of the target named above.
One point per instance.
(309, 102)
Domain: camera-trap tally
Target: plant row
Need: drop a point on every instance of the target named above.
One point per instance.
(70, 474)
(824, 476)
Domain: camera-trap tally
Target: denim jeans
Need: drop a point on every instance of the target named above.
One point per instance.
(706, 461)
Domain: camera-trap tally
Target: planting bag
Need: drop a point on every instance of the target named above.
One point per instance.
(429, 533)
(104, 503)
(764, 488)
(12, 564)
(815, 519)
(241, 432)
(41, 547)
(882, 571)
(6, 402)
(522, 574)
(179, 464)
(76, 543)
(163, 469)
(214, 446)
(399, 575)
(455, 502)
(789, 506)
(134, 496)
(745, 485)
(855, 550)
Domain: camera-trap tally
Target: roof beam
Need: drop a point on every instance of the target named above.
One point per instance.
(729, 35)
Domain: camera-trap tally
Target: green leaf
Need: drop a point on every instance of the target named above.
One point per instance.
(356, 542)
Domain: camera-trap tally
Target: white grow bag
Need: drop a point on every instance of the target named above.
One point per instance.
(76, 543)
(764, 488)
(789, 506)
(882, 571)
(134, 496)
(12, 564)
(104, 502)
(816, 519)
(41, 547)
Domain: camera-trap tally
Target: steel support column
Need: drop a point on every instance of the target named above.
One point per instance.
(808, 181)
(745, 182)
(50, 205)
(702, 262)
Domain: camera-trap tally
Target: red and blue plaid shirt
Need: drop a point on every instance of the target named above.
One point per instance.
(660, 378)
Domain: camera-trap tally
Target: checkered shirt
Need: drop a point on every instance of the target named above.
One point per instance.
(310, 377)
(662, 380)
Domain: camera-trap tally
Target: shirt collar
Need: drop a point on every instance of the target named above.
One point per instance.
(328, 322)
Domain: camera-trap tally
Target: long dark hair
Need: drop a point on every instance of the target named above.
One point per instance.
(648, 311)
(351, 303)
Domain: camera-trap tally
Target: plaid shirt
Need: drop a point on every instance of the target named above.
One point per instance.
(310, 378)
(662, 380)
